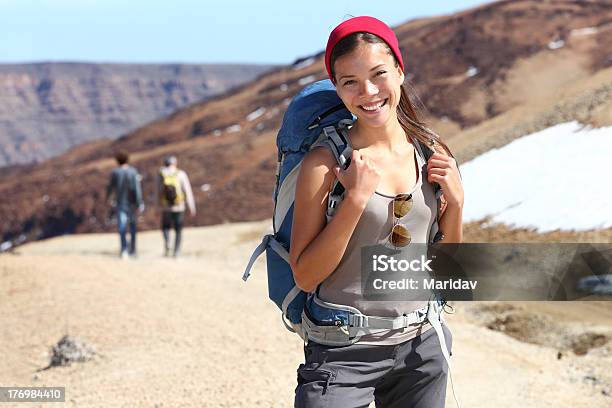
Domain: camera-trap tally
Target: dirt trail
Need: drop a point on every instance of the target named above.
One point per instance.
(190, 333)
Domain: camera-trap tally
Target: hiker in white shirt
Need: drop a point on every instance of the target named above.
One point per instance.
(174, 192)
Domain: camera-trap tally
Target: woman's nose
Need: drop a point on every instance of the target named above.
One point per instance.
(369, 88)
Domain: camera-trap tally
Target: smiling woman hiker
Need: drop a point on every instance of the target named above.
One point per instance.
(389, 193)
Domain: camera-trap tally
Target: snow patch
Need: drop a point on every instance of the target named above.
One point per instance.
(548, 180)
(555, 45)
(472, 71)
(233, 129)
(306, 80)
(578, 32)
(303, 63)
(255, 114)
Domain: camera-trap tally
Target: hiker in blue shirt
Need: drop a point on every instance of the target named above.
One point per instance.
(124, 194)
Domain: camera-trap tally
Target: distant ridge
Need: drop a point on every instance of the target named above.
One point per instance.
(48, 107)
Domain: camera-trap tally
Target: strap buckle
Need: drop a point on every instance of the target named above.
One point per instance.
(329, 131)
(359, 321)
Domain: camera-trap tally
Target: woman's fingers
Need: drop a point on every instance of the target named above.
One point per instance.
(446, 163)
(437, 178)
(438, 163)
(443, 170)
(439, 156)
(439, 171)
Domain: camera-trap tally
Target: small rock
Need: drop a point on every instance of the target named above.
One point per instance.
(70, 349)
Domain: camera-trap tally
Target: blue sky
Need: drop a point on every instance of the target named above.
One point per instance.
(187, 31)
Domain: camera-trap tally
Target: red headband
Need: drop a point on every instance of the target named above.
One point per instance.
(362, 24)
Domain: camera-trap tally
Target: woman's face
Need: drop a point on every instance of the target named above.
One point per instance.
(368, 82)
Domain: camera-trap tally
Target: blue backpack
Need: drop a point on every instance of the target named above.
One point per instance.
(315, 117)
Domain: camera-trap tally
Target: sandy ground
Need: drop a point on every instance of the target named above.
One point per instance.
(191, 333)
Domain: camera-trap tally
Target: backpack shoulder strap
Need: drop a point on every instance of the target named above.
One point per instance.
(426, 152)
(336, 138)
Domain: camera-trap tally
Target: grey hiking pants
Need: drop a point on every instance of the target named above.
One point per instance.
(408, 375)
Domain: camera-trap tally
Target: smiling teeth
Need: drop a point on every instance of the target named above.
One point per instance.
(373, 108)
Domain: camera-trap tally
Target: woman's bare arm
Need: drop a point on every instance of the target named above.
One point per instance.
(451, 224)
(317, 247)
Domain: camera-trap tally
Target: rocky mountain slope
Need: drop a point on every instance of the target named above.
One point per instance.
(49, 107)
(483, 76)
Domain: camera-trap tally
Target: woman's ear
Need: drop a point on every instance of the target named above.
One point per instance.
(401, 73)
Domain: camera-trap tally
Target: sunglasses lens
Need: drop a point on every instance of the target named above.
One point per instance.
(400, 236)
(402, 204)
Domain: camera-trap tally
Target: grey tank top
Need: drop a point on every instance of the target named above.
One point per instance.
(343, 286)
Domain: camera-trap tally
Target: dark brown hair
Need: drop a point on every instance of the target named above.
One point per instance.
(122, 157)
(406, 112)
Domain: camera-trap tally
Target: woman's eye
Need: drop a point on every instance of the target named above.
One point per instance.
(349, 82)
(379, 73)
